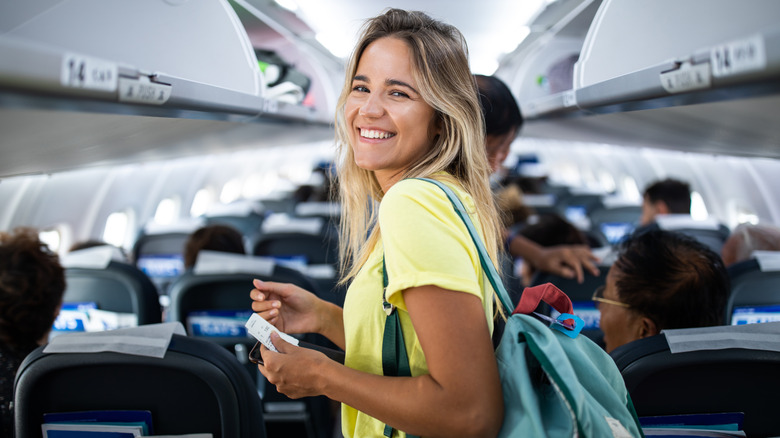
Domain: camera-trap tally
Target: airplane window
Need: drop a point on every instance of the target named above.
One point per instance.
(298, 173)
(259, 185)
(746, 216)
(629, 190)
(167, 211)
(698, 209)
(201, 202)
(607, 181)
(51, 238)
(230, 191)
(116, 228)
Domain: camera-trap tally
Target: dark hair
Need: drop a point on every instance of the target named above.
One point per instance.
(551, 229)
(32, 283)
(672, 279)
(674, 193)
(499, 107)
(215, 237)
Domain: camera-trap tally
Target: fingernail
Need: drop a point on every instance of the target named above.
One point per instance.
(273, 312)
(276, 304)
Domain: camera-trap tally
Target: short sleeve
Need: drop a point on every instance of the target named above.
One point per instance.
(425, 242)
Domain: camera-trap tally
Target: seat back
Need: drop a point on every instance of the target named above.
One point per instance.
(214, 302)
(614, 223)
(119, 287)
(197, 387)
(738, 376)
(245, 216)
(576, 207)
(161, 256)
(755, 289)
(709, 232)
(312, 245)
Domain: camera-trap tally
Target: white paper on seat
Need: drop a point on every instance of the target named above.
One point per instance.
(320, 271)
(237, 208)
(763, 336)
(768, 261)
(218, 262)
(97, 257)
(282, 223)
(318, 208)
(541, 200)
(679, 221)
(147, 340)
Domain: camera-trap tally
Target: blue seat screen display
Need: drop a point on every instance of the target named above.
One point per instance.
(756, 314)
(161, 265)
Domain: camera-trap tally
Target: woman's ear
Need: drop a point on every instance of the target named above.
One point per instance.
(647, 327)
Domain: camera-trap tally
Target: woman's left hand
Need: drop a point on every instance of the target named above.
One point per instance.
(295, 371)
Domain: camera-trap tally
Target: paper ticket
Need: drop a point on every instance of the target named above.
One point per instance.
(262, 329)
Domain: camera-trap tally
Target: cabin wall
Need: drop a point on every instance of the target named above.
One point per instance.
(78, 203)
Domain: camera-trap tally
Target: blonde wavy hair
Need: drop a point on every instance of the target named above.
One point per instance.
(441, 70)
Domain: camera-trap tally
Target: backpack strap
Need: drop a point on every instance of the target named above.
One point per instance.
(484, 259)
(395, 361)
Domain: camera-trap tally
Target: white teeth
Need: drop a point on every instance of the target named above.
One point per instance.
(370, 133)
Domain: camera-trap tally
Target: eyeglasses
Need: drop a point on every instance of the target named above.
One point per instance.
(598, 296)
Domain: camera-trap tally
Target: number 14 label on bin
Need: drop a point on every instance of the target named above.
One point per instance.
(262, 329)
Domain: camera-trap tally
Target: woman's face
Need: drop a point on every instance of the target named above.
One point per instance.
(619, 324)
(391, 126)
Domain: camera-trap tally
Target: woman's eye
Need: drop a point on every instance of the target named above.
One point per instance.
(399, 94)
(360, 88)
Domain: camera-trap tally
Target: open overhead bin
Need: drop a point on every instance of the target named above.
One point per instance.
(71, 71)
(694, 75)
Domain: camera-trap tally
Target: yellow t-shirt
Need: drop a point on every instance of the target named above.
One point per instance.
(424, 243)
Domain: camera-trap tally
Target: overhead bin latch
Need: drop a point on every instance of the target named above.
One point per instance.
(143, 89)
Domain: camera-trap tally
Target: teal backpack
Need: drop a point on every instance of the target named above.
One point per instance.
(555, 383)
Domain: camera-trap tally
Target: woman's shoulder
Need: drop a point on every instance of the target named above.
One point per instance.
(417, 191)
(414, 190)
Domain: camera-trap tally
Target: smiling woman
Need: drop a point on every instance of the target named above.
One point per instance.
(408, 109)
(391, 125)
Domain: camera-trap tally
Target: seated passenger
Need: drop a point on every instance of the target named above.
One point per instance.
(549, 230)
(503, 121)
(215, 237)
(668, 196)
(661, 280)
(747, 238)
(32, 283)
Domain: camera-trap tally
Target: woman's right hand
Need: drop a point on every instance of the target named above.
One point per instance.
(288, 307)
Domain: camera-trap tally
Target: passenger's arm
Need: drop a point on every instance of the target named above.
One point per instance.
(461, 395)
(564, 260)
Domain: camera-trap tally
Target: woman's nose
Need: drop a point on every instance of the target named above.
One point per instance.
(372, 107)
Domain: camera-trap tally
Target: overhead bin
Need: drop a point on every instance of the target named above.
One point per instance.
(693, 75)
(72, 71)
(182, 55)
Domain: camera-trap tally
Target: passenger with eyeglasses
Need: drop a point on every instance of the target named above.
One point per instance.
(661, 280)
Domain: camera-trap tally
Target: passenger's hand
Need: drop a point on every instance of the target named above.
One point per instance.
(294, 370)
(288, 307)
(568, 261)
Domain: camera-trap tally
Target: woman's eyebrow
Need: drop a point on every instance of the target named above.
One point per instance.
(400, 84)
(388, 82)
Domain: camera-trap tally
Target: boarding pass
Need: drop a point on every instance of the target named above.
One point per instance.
(262, 329)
